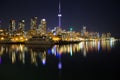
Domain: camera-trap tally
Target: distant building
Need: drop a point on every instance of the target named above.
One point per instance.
(108, 35)
(21, 25)
(83, 31)
(12, 25)
(33, 23)
(42, 27)
(57, 31)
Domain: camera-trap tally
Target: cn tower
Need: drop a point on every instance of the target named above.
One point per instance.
(59, 15)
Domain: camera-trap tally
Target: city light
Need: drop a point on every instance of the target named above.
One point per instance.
(59, 15)
(43, 20)
(59, 65)
(0, 60)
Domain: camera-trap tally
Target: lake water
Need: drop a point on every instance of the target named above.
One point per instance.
(83, 61)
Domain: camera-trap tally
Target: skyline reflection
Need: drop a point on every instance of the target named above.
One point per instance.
(83, 47)
(38, 54)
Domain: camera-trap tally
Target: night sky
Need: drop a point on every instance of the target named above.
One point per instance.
(96, 15)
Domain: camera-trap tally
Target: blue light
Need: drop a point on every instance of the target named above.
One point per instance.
(71, 29)
(54, 33)
(0, 60)
(57, 55)
(49, 51)
(71, 50)
(44, 61)
(59, 65)
(54, 50)
(98, 46)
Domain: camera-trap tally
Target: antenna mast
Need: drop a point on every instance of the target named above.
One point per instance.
(59, 15)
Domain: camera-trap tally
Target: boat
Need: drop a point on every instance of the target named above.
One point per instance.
(39, 40)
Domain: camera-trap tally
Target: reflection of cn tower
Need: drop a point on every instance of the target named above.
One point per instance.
(58, 55)
(59, 63)
(59, 15)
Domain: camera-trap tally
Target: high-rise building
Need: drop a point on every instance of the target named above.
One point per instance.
(57, 30)
(22, 25)
(83, 31)
(42, 27)
(12, 26)
(34, 23)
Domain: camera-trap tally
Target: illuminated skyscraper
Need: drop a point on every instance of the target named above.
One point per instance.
(83, 31)
(34, 23)
(22, 25)
(59, 15)
(42, 27)
(12, 26)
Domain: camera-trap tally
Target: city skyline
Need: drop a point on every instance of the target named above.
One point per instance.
(97, 16)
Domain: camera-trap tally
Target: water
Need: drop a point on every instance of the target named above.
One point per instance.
(86, 60)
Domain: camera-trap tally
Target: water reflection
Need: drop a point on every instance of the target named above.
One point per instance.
(35, 54)
(83, 47)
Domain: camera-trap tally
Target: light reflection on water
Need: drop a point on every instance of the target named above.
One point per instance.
(83, 47)
(19, 52)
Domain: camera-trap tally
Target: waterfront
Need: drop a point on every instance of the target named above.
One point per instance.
(85, 60)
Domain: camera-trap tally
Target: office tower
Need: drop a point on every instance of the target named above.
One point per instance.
(22, 25)
(12, 26)
(84, 29)
(42, 27)
(33, 23)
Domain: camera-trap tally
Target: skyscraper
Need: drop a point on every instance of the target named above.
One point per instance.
(12, 26)
(22, 25)
(43, 25)
(34, 23)
(83, 31)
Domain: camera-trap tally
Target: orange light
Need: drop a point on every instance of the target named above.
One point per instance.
(56, 39)
(2, 38)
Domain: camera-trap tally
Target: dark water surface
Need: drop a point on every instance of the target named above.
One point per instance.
(83, 61)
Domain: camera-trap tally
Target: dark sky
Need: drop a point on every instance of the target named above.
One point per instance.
(96, 15)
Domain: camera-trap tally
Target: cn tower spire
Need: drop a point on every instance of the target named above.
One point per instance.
(59, 7)
(59, 15)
